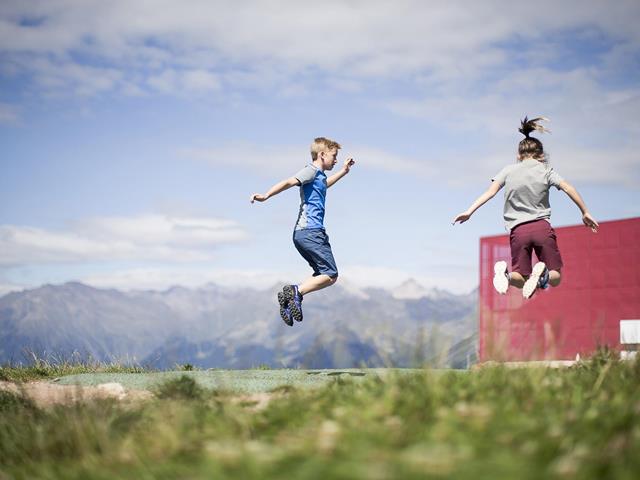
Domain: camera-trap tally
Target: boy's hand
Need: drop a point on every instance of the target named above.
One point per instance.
(348, 163)
(463, 217)
(590, 222)
(258, 197)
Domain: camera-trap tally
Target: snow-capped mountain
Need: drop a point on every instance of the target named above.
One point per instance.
(224, 327)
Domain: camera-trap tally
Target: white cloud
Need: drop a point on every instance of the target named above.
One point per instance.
(8, 114)
(64, 76)
(10, 287)
(353, 278)
(200, 80)
(177, 82)
(455, 280)
(354, 40)
(251, 156)
(288, 159)
(594, 132)
(390, 162)
(143, 238)
(163, 278)
(618, 165)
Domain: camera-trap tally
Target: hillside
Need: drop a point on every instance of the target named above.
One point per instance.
(221, 327)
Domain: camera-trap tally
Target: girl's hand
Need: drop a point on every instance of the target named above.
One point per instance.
(258, 197)
(463, 217)
(590, 222)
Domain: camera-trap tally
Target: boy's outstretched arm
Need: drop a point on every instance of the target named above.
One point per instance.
(348, 163)
(587, 219)
(481, 200)
(276, 189)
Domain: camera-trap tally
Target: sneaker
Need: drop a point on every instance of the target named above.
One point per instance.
(543, 282)
(285, 311)
(500, 277)
(294, 299)
(533, 282)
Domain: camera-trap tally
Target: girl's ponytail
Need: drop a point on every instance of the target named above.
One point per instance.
(531, 147)
(527, 126)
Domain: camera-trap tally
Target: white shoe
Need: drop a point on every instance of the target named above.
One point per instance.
(500, 277)
(531, 284)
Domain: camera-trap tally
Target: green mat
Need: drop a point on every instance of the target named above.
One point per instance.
(245, 381)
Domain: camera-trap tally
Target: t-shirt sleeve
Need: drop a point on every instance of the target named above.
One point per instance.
(554, 179)
(306, 175)
(501, 176)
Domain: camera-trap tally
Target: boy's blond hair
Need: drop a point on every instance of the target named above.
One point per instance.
(322, 144)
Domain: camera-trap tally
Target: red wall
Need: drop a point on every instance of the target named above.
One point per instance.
(600, 286)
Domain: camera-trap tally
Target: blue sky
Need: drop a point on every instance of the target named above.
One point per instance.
(133, 133)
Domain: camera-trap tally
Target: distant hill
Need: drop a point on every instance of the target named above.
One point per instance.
(223, 327)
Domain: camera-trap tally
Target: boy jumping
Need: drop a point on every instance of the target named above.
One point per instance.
(309, 236)
(526, 215)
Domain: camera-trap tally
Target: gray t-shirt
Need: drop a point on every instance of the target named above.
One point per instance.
(526, 192)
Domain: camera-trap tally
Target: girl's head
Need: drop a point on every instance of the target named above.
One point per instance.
(531, 147)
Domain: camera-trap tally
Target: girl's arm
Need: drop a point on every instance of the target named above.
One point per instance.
(276, 189)
(587, 219)
(481, 200)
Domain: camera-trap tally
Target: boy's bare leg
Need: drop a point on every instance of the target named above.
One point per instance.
(318, 282)
(516, 280)
(554, 278)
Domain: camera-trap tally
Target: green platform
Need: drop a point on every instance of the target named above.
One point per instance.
(245, 381)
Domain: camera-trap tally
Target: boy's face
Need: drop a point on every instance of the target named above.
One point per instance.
(329, 158)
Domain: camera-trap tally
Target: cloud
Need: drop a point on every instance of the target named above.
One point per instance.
(284, 159)
(464, 69)
(143, 238)
(8, 114)
(353, 277)
(163, 278)
(176, 82)
(207, 44)
(591, 127)
(456, 280)
(576, 162)
(289, 159)
(10, 287)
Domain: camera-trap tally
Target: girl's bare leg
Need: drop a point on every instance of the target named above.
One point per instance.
(516, 280)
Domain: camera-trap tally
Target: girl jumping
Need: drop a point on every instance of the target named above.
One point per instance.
(526, 215)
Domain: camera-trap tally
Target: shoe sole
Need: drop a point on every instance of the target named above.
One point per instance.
(296, 313)
(531, 285)
(500, 280)
(283, 309)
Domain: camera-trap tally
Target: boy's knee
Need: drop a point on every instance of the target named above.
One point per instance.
(333, 279)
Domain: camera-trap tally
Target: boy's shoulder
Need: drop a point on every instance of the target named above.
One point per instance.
(307, 173)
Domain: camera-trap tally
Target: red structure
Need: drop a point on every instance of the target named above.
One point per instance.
(600, 286)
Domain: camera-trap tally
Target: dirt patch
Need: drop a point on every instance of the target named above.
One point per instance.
(255, 402)
(45, 394)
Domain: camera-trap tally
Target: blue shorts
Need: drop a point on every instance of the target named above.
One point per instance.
(313, 245)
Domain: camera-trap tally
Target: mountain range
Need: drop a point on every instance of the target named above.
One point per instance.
(223, 327)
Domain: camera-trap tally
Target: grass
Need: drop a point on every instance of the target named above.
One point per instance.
(41, 369)
(581, 422)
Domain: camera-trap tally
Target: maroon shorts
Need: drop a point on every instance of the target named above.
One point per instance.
(538, 236)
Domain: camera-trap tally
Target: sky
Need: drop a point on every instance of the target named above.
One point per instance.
(133, 133)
